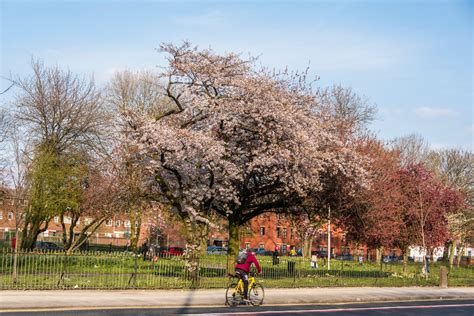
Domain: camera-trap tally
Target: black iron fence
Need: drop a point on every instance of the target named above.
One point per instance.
(126, 270)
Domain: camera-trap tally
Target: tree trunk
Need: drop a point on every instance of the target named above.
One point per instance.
(83, 236)
(203, 234)
(459, 257)
(446, 250)
(451, 254)
(15, 257)
(135, 223)
(234, 245)
(30, 233)
(405, 260)
(68, 232)
(307, 245)
(378, 255)
(194, 236)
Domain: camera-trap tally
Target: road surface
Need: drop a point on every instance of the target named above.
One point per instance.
(418, 308)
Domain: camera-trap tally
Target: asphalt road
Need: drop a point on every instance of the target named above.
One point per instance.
(418, 308)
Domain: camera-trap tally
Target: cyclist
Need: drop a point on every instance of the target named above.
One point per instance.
(242, 270)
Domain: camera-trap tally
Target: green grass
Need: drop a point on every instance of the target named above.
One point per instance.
(99, 270)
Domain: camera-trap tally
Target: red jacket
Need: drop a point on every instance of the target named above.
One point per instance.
(248, 263)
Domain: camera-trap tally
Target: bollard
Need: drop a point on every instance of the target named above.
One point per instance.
(443, 277)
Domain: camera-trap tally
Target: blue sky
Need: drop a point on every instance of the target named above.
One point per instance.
(414, 59)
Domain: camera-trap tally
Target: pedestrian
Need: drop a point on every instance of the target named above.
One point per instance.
(314, 261)
(275, 258)
(293, 252)
(144, 250)
(277, 249)
(427, 264)
(360, 260)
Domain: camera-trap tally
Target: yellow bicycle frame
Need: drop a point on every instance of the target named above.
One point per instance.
(240, 285)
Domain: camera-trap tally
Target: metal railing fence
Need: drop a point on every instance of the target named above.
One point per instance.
(125, 270)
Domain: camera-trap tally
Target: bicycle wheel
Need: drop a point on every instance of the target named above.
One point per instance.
(256, 294)
(232, 296)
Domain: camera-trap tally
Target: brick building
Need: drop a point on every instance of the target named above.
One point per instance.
(266, 231)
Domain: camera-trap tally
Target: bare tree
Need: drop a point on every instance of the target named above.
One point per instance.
(20, 186)
(413, 149)
(4, 128)
(352, 112)
(137, 91)
(61, 110)
(4, 125)
(456, 168)
(62, 114)
(141, 94)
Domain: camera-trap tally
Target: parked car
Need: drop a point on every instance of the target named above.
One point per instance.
(216, 250)
(388, 259)
(46, 245)
(346, 257)
(322, 254)
(172, 251)
(262, 252)
(210, 249)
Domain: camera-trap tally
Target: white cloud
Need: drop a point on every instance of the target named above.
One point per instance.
(429, 112)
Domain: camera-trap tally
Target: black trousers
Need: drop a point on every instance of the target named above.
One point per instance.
(244, 276)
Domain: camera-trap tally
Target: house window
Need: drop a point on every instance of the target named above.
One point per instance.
(284, 232)
(278, 232)
(67, 220)
(1, 215)
(108, 222)
(117, 235)
(126, 223)
(56, 219)
(109, 235)
(10, 216)
(247, 245)
(248, 231)
(117, 223)
(262, 230)
(88, 220)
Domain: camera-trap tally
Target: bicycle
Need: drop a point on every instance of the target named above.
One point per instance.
(234, 293)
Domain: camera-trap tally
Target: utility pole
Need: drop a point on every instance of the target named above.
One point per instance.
(329, 239)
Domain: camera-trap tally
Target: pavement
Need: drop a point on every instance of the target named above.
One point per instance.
(86, 299)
